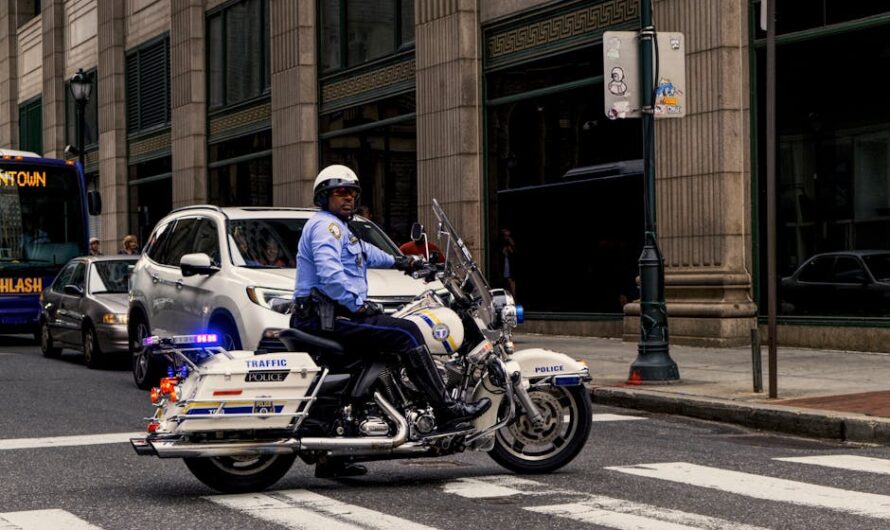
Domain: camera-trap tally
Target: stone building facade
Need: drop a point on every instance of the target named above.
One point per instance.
(494, 108)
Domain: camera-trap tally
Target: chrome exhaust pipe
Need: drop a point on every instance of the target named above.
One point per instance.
(368, 445)
(177, 448)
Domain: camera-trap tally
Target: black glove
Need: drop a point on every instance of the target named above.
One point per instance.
(370, 309)
(408, 263)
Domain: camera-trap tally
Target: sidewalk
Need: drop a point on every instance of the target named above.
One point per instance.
(821, 393)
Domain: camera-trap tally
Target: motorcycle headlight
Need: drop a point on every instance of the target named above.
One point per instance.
(510, 316)
(264, 295)
(508, 313)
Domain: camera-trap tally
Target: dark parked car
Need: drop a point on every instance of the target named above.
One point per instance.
(86, 308)
(855, 283)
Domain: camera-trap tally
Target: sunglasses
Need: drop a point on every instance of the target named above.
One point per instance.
(345, 192)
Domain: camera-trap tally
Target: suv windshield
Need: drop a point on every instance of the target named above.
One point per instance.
(272, 243)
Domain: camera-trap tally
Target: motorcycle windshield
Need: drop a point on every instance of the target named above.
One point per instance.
(460, 266)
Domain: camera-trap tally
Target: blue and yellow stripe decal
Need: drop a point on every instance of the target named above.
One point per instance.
(235, 407)
(432, 321)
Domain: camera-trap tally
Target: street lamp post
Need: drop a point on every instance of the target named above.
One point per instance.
(653, 363)
(81, 87)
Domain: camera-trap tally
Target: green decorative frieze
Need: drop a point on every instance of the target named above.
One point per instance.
(145, 146)
(252, 117)
(372, 81)
(556, 29)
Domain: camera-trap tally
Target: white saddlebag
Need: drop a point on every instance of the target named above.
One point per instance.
(240, 391)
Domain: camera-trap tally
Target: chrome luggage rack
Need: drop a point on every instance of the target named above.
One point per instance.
(176, 347)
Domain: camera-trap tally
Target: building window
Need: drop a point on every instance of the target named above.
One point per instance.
(240, 171)
(151, 194)
(546, 149)
(25, 11)
(91, 116)
(358, 31)
(148, 86)
(238, 53)
(31, 126)
(792, 16)
(832, 181)
(384, 156)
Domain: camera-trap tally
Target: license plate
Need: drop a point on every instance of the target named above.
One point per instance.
(263, 407)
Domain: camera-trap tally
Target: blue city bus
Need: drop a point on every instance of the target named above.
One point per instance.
(43, 224)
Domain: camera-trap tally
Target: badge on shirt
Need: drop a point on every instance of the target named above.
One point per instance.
(334, 230)
(352, 239)
(358, 261)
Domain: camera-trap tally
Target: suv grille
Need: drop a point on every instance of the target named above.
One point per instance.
(271, 345)
(391, 304)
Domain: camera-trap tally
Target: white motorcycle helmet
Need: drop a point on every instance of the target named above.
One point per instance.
(332, 177)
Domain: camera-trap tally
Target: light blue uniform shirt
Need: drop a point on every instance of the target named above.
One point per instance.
(333, 260)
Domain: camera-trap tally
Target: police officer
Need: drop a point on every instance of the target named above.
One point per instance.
(331, 299)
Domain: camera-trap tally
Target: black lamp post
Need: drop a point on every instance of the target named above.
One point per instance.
(653, 363)
(81, 87)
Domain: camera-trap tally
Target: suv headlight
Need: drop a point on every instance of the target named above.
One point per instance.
(264, 295)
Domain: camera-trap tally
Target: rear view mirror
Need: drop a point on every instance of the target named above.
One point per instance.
(73, 290)
(94, 202)
(416, 232)
(192, 264)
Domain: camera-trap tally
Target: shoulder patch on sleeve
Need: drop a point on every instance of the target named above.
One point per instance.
(334, 230)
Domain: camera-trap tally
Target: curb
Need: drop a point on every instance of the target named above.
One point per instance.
(810, 423)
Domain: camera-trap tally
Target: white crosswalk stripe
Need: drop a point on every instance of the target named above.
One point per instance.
(616, 417)
(305, 510)
(626, 515)
(847, 462)
(68, 441)
(594, 509)
(767, 488)
(43, 519)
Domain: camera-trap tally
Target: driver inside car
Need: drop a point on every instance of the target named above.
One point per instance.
(332, 263)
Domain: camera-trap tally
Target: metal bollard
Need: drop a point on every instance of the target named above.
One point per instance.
(756, 364)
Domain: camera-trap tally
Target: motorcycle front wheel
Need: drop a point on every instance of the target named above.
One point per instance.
(523, 448)
(240, 474)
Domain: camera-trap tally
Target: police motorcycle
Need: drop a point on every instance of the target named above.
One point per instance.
(239, 419)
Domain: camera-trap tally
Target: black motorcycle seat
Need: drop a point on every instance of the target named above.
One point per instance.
(296, 340)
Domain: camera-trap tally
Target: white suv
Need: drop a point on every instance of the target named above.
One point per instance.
(207, 268)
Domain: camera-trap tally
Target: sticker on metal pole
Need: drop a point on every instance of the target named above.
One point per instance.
(621, 70)
(621, 65)
(670, 87)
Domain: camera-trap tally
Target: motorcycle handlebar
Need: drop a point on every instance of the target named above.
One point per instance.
(428, 272)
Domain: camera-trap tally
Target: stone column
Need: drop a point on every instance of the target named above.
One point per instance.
(53, 78)
(112, 121)
(9, 88)
(704, 181)
(189, 102)
(294, 102)
(449, 115)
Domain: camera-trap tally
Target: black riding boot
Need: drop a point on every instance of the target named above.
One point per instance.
(449, 413)
(337, 467)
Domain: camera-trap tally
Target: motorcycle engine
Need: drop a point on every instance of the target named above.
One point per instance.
(374, 426)
(420, 422)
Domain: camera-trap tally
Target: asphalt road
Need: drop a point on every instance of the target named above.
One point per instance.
(638, 471)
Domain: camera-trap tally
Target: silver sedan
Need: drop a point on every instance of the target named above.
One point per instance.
(85, 308)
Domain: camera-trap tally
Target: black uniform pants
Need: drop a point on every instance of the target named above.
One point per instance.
(366, 334)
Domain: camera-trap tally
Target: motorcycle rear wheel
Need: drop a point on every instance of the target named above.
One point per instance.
(236, 474)
(522, 448)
